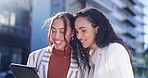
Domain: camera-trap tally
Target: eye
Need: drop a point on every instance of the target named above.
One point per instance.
(83, 30)
(62, 31)
(53, 30)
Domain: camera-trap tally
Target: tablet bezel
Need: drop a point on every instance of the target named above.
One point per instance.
(23, 71)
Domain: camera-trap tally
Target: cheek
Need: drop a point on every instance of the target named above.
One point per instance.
(52, 36)
(91, 36)
(68, 36)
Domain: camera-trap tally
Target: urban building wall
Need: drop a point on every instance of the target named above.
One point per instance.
(14, 33)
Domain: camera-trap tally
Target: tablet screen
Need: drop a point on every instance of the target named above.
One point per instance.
(23, 71)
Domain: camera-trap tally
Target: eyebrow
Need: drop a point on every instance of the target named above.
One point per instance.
(55, 28)
(82, 27)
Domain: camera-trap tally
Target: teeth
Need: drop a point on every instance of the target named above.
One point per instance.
(58, 42)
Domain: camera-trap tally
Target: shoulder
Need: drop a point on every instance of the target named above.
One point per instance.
(116, 53)
(116, 45)
(37, 52)
(116, 49)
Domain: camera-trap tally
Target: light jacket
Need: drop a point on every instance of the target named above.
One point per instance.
(112, 61)
(40, 59)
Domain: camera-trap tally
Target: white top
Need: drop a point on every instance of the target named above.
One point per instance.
(112, 61)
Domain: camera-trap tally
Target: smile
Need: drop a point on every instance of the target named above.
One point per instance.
(57, 42)
(82, 41)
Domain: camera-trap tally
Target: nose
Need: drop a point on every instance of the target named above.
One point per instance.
(58, 35)
(79, 36)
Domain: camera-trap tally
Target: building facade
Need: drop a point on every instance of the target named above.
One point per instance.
(14, 33)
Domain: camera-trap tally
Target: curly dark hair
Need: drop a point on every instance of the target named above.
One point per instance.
(105, 33)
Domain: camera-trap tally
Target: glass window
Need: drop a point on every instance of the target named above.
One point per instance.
(4, 18)
(16, 56)
(12, 19)
(5, 60)
(8, 18)
(9, 55)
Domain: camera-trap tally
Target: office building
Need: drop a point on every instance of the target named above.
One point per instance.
(14, 33)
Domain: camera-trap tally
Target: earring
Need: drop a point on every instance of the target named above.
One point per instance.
(98, 28)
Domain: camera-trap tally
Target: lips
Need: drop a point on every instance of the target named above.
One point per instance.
(82, 41)
(58, 42)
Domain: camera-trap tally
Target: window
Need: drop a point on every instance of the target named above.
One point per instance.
(4, 18)
(8, 18)
(9, 55)
(16, 56)
(12, 19)
(5, 60)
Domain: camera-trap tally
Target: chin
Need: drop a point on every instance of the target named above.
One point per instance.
(85, 46)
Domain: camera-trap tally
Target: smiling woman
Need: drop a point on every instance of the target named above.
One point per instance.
(109, 56)
(61, 56)
(57, 34)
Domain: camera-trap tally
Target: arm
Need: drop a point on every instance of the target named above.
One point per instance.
(31, 60)
(119, 62)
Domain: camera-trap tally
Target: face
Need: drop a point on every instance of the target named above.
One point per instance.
(57, 34)
(85, 32)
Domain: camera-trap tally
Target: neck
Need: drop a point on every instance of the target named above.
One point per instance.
(64, 48)
(93, 47)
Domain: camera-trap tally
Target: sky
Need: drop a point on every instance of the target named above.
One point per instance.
(146, 21)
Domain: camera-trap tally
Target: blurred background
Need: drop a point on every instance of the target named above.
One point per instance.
(22, 30)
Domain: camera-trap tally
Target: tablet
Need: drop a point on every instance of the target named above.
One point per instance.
(23, 71)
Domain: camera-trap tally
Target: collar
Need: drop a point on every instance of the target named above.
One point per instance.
(73, 63)
(94, 55)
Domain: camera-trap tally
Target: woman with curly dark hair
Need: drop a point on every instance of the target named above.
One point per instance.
(109, 56)
(62, 57)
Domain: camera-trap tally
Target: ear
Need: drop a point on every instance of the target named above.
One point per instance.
(97, 29)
